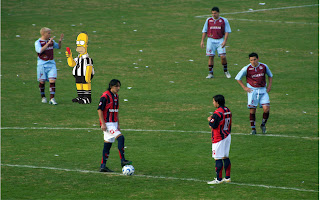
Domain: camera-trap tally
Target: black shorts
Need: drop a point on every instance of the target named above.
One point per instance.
(81, 79)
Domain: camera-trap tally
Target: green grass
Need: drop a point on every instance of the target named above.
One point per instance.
(169, 35)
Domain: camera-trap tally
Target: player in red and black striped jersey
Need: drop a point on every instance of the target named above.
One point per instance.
(109, 122)
(220, 124)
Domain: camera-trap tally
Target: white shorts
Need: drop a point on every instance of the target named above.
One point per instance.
(112, 132)
(221, 149)
(258, 96)
(214, 45)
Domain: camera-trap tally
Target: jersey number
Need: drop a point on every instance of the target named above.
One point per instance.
(226, 124)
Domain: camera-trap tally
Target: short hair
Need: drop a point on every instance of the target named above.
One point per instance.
(215, 9)
(253, 55)
(44, 29)
(114, 82)
(220, 99)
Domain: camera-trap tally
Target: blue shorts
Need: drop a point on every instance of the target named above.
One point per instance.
(46, 71)
(258, 96)
(214, 45)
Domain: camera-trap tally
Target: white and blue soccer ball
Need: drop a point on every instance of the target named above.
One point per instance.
(128, 170)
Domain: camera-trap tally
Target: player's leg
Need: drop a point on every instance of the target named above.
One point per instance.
(252, 105)
(265, 103)
(124, 162)
(80, 92)
(52, 76)
(86, 93)
(226, 160)
(252, 118)
(42, 77)
(217, 154)
(225, 65)
(105, 155)
(210, 52)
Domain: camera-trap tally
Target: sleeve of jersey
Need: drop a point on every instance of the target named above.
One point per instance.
(55, 45)
(37, 46)
(102, 103)
(242, 73)
(214, 123)
(227, 26)
(205, 27)
(268, 71)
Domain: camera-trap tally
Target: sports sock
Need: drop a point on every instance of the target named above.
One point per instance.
(41, 88)
(121, 147)
(225, 67)
(219, 169)
(265, 118)
(105, 154)
(52, 90)
(253, 121)
(210, 69)
(227, 167)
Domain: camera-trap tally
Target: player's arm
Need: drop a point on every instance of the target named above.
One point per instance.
(245, 88)
(70, 60)
(215, 120)
(243, 72)
(270, 83)
(227, 31)
(42, 49)
(202, 39)
(60, 40)
(226, 35)
(101, 107)
(204, 33)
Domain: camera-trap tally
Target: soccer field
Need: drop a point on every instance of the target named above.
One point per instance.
(54, 152)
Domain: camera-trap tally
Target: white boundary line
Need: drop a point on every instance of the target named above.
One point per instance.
(142, 130)
(157, 177)
(253, 20)
(260, 10)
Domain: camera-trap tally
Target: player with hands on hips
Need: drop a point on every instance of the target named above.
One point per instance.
(257, 89)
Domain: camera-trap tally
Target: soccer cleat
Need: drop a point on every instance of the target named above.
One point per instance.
(227, 74)
(226, 180)
(105, 169)
(84, 100)
(126, 162)
(44, 100)
(53, 102)
(75, 100)
(253, 132)
(264, 129)
(209, 76)
(215, 181)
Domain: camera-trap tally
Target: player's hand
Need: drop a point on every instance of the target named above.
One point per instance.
(61, 37)
(103, 127)
(268, 89)
(209, 118)
(51, 40)
(248, 89)
(202, 44)
(69, 55)
(223, 44)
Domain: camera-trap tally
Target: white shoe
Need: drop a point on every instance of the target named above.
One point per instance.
(226, 180)
(215, 181)
(53, 102)
(227, 74)
(44, 100)
(210, 76)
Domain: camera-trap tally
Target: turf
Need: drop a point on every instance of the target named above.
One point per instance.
(170, 94)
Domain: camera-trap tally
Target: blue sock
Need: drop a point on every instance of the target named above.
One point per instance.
(227, 167)
(219, 169)
(121, 147)
(105, 154)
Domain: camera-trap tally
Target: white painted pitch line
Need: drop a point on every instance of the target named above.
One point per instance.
(285, 22)
(156, 177)
(142, 130)
(260, 10)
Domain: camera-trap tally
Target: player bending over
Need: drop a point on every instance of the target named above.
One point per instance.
(108, 115)
(257, 89)
(220, 124)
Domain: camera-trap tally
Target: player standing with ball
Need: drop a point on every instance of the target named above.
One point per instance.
(109, 122)
(220, 124)
(217, 29)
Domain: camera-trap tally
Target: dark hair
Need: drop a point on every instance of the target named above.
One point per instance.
(220, 99)
(114, 82)
(215, 9)
(253, 55)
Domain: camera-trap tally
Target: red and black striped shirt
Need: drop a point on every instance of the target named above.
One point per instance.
(220, 124)
(109, 104)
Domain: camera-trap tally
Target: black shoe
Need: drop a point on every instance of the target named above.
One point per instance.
(106, 169)
(75, 100)
(84, 100)
(126, 162)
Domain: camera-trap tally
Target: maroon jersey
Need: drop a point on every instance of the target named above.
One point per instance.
(256, 76)
(216, 28)
(109, 104)
(220, 124)
(48, 53)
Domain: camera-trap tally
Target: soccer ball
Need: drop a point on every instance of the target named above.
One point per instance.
(128, 170)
